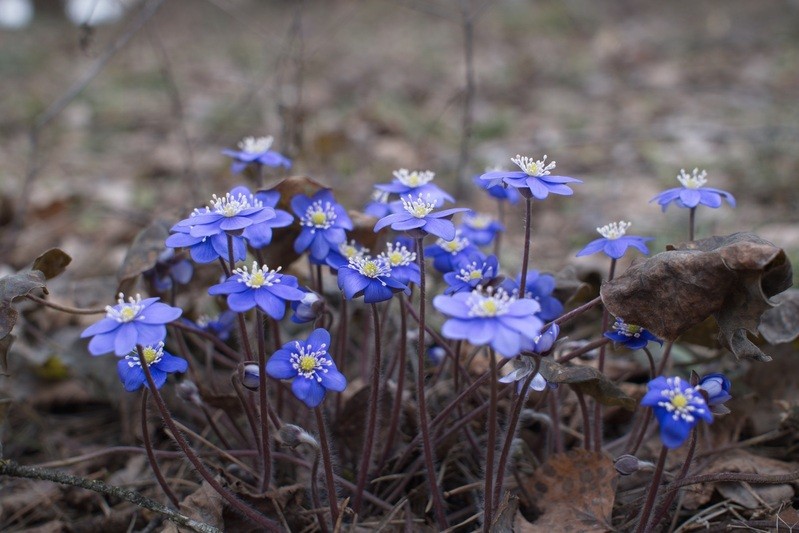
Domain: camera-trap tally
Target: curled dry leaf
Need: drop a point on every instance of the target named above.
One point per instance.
(52, 262)
(589, 381)
(730, 278)
(780, 324)
(143, 254)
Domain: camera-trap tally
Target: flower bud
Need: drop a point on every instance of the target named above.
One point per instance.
(250, 376)
(629, 464)
(292, 436)
(717, 387)
(188, 392)
(307, 309)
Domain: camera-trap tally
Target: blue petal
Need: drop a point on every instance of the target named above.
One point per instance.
(279, 365)
(102, 343)
(615, 248)
(170, 363)
(125, 339)
(308, 391)
(441, 228)
(105, 325)
(240, 302)
(318, 337)
(351, 282)
(269, 303)
(333, 380)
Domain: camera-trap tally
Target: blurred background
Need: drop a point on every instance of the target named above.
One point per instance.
(129, 104)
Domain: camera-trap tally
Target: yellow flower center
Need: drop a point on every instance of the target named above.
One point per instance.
(307, 363)
(395, 258)
(371, 269)
(679, 401)
(489, 307)
(127, 314)
(257, 279)
(475, 274)
(318, 218)
(150, 354)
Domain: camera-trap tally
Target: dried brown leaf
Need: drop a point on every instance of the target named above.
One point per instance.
(730, 278)
(142, 254)
(13, 287)
(589, 381)
(52, 262)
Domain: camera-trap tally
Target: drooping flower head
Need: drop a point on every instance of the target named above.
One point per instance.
(717, 386)
(614, 241)
(130, 323)
(323, 223)
(308, 309)
(402, 261)
(310, 365)
(480, 228)
(160, 363)
(262, 287)
(256, 150)
(229, 214)
(471, 275)
(630, 336)
(693, 192)
(500, 191)
(453, 254)
(369, 277)
(533, 180)
(418, 214)
(490, 316)
(416, 183)
(678, 407)
(546, 340)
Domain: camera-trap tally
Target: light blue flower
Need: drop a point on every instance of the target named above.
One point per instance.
(614, 241)
(256, 150)
(693, 193)
(533, 180)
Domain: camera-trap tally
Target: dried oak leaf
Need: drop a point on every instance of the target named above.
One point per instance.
(142, 254)
(730, 278)
(780, 324)
(587, 380)
(52, 262)
(574, 491)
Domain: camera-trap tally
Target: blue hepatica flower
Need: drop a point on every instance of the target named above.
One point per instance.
(229, 214)
(267, 289)
(678, 408)
(546, 340)
(416, 183)
(256, 151)
(693, 193)
(533, 179)
(717, 386)
(402, 261)
(130, 323)
(614, 242)
(260, 234)
(491, 317)
(418, 214)
(630, 336)
(378, 206)
(501, 191)
(369, 277)
(540, 287)
(310, 365)
(323, 223)
(206, 249)
(308, 309)
(479, 228)
(160, 363)
(452, 254)
(471, 275)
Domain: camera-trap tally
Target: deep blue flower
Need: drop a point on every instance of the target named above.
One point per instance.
(470, 275)
(678, 408)
(545, 341)
(500, 192)
(221, 325)
(630, 336)
(370, 278)
(206, 249)
(323, 223)
(416, 183)
(256, 150)
(480, 229)
(229, 214)
(130, 323)
(340, 255)
(692, 193)
(402, 260)
(533, 179)
(308, 309)
(267, 289)
(540, 287)
(169, 270)
(453, 254)
(260, 234)
(418, 214)
(159, 362)
(717, 386)
(378, 206)
(614, 242)
(311, 366)
(491, 317)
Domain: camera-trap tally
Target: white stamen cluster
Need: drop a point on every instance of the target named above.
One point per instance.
(681, 403)
(489, 302)
(477, 220)
(152, 354)
(694, 181)
(614, 230)
(415, 178)
(351, 249)
(319, 216)
(420, 207)
(398, 255)
(533, 167)
(472, 272)
(309, 362)
(256, 145)
(258, 277)
(228, 205)
(371, 267)
(628, 330)
(455, 245)
(125, 311)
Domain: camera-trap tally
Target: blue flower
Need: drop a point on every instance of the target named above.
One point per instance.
(546, 340)
(229, 214)
(614, 242)
(630, 336)
(540, 287)
(452, 254)
(479, 228)
(416, 183)
(267, 289)
(692, 193)
(308, 309)
(717, 386)
(678, 408)
(470, 275)
(250, 376)
(533, 179)
(260, 234)
(370, 278)
(323, 223)
(130, 323)
(168, 271)
(257, 151)
(436, 354)
(490, 317)
(402, 260)
(159, 362)
(310, 365)
(418, 214)
(500, 192)
(379, 206)
(206, 249)
(221, 325)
